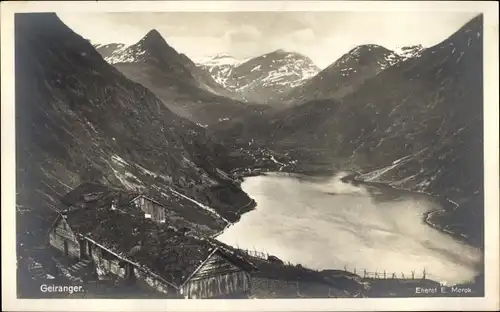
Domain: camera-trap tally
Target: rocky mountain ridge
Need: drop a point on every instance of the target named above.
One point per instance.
(262, 79)
(183, 87)
(282, 77)
(346, 74)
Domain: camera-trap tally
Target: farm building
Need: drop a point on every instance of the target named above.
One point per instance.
(150, 207)
(87, 193)
(105, 227)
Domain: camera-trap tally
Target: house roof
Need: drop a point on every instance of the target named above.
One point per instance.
(148, 198)
(157, 247)
(104, 195)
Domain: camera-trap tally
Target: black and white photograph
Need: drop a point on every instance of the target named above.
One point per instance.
(252, 154)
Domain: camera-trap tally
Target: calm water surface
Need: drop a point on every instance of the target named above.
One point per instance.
(329, 224)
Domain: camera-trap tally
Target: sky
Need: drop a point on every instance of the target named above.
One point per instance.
(322, 36)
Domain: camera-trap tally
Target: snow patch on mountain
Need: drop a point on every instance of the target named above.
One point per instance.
(219, 66)
(256, 68)
(126, 54)
(261, 77)
(408, 52)
(217, 60)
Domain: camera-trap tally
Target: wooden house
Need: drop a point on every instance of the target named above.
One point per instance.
(219, 275)
(150, 207)
(123, 243)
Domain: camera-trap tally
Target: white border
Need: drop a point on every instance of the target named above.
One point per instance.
(491, 157)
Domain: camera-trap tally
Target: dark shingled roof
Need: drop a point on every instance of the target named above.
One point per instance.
(86, 192)
(164, 250)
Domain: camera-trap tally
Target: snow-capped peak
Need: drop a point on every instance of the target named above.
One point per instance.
(408, 52)
(151, 43)
(260, 77)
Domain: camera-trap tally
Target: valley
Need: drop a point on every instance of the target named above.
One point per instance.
(406, 125)
(416, 125)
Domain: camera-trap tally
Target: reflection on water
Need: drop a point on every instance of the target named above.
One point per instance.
(329, 224)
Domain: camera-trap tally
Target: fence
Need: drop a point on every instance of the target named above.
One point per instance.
(383, 274)
(261, 255)
(413, 275)
(255, 253)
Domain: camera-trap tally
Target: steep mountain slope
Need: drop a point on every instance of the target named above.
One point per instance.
(417, 125)
(347, 73)
(79, 119)
(153, 49)
(177, 81)
(265, 78)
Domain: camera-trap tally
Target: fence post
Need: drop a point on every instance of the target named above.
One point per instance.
(384, 274)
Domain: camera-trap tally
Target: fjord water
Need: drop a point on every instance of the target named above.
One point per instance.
(330, 224)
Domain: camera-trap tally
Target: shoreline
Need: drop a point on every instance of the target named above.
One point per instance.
(445, 204)
(247, 208)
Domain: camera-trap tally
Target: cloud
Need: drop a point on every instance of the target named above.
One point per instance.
(303, 36)
(243, 33)
(197, 47)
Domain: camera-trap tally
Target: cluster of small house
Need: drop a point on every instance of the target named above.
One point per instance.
(127, 237)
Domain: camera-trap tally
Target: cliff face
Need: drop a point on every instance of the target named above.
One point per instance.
(79, 119)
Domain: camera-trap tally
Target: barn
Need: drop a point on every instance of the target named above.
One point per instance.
(106, 227)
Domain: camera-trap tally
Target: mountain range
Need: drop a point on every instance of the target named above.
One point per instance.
(280, 77)
(183, 87)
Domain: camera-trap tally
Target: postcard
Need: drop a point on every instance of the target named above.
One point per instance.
(250, 155)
